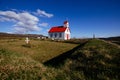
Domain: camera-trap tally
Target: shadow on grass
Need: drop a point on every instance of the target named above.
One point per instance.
(60, 59)
(26, 45)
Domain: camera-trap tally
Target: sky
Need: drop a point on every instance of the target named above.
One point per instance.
(85, 17)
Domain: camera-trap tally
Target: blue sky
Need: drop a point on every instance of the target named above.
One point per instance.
(86, 17)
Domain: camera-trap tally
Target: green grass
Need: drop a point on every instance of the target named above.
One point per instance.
(24, 61)
(96, 60)
(16, 66)
(38, 50)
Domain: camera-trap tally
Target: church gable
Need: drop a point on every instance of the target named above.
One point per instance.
(67, 30)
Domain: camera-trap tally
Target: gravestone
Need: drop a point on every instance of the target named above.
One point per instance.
(27, 40)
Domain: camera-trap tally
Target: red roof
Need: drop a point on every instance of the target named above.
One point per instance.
(57, 29)
(65, 22)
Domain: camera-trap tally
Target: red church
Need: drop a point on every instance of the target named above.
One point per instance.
(60, 32)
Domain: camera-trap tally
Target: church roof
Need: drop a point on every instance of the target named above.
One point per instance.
(65, 22)
(57, 29)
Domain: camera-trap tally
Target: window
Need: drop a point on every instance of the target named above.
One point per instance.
(51, 35)
(55, 35)
(60, 34)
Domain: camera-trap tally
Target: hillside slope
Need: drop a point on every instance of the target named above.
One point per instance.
(94, 60)
(113, 39)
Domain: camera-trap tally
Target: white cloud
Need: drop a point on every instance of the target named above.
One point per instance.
(2, 19)
(43, 24)
(9, 14)
(24, 21)
(43, 13)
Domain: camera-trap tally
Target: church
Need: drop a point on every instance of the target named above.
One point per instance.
(60, 32)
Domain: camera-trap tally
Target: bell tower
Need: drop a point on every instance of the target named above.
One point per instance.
(66, 24)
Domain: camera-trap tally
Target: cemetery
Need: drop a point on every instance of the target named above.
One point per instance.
(29, 58)
(38, 49)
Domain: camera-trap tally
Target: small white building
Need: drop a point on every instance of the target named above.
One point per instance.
(60, 32)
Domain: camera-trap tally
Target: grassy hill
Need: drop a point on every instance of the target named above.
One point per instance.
(113, 39)
(96, 60)
(92, 60)
(18, 36)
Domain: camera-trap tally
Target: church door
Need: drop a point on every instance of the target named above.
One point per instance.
(67, 36)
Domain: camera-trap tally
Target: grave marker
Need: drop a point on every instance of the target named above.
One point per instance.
(27, 40)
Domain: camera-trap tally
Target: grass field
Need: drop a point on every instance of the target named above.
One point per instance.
(95, 60)
(38, 50)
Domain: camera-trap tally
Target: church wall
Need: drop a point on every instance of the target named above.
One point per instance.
(57, 35)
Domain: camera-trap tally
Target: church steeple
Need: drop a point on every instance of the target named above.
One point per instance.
(66, 24)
